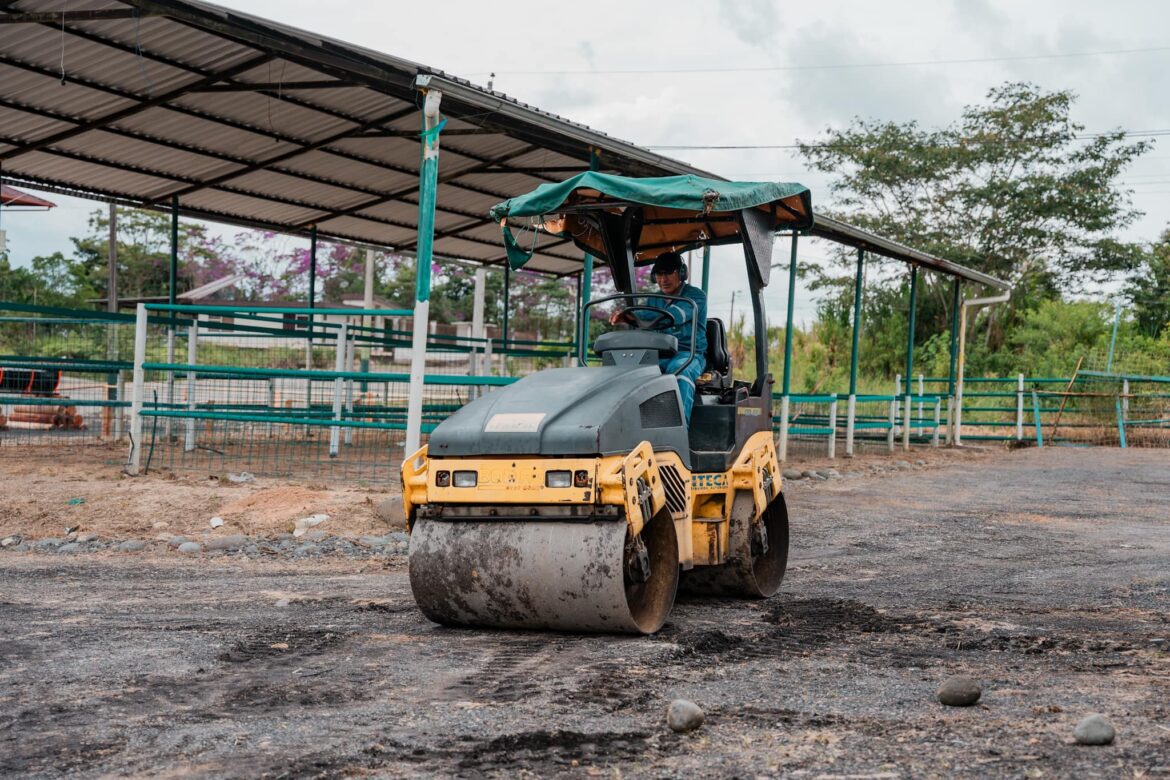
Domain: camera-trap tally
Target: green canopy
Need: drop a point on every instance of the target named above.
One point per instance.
(667, 213)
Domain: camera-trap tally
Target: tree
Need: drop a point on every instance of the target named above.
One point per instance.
(1013, 188)
(1149, 288)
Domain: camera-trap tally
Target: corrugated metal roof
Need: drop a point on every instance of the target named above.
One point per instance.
(249, 121)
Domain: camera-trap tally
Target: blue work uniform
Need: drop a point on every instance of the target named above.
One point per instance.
(683, 315)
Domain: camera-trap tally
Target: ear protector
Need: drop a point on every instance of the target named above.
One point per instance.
(682, 267)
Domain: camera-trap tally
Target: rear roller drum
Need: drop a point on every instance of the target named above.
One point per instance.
(758, 554)
(565, 576)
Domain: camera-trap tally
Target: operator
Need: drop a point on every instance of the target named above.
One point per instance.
(671, 276)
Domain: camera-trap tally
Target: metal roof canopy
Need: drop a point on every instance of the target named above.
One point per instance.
(250, 122)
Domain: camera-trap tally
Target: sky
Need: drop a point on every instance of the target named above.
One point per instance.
(757, 72)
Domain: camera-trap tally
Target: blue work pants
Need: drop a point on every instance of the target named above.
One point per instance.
(686, 379)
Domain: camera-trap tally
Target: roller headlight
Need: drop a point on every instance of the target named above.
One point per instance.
(466, 479)
(558, 479)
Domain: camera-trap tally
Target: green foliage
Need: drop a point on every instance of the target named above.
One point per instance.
(1011, 188)
(1149, 288)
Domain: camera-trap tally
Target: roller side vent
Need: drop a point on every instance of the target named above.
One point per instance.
(674, 488)
(661, 411)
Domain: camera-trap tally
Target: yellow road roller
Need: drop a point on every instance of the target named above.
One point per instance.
(581, 499)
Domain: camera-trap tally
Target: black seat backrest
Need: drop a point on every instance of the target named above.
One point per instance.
(717, 357)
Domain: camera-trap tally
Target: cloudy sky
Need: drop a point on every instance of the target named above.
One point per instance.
(757, 72)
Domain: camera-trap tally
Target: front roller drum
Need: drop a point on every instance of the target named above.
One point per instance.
(564, 576)
(758, 555)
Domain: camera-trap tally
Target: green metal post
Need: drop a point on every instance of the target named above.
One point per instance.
(312, 273)
(955, 303)
(174, 250)
(910, 328)
(1113, 338)
(785, 401)
(788, 322)
(1120, 423)
(427, 195)
(706, 266)
(507, 301)
(587, 273)
(909, 386)
(1036, 419)
(851, 404)
(853, 356)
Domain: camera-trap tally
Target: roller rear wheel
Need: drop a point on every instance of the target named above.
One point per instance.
(757, 561)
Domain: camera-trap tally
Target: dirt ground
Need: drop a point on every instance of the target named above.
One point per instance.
(1045, 574)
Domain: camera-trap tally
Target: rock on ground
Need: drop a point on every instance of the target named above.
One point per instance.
(132, 545)
(960, 691)
(189, 548)
(684, 715)
(389, 511)
(232, 542)
(1094, 730)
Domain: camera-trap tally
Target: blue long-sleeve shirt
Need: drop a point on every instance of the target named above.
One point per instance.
(683, 314)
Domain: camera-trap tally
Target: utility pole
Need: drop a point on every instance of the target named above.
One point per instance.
(731, 316)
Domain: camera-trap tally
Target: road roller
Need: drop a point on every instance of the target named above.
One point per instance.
(582, 498)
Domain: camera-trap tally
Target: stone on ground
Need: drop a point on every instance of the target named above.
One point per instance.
(188, 548)
(232, 542)
(1094, 730)
(132, 545)
(960, 691)
(684, 715)
(792, 474)
(389, 511)
(303, 525)
(71, 547)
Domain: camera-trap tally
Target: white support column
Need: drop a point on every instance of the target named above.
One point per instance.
(351, 349)
(192, 357)
(1125, 398)
(950, 420)
(850, 421)
(338, 384)
(1019, 407)
(833, 428)
(782, 454)
(137, 393)
(937, 421)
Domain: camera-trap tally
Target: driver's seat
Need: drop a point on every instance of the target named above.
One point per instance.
(716, 376)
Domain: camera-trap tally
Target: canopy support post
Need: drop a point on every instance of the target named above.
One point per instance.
(507, 333)
(587, 277)
(706, 266)
(851, 411)
(955, 304)
(784, 396)
(908, 389)
(173, 277)
(477, 328)
(428, 188)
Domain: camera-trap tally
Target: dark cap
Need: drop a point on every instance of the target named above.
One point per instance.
(667, 262)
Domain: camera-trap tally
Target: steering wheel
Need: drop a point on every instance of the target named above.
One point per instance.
(664, 319)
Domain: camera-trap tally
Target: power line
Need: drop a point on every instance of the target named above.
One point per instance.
(832, 66)
(742, 147)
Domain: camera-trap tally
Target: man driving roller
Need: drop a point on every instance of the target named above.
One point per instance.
(671, 276)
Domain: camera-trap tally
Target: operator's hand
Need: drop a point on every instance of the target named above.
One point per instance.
(620, 316)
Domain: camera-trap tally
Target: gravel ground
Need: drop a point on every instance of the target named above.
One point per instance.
(1042, 574)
